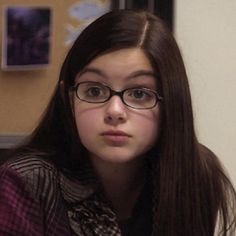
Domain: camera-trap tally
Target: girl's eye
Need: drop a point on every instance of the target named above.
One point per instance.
(139, 94)
(94, 91)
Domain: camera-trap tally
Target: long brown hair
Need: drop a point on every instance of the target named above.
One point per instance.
(192, 192)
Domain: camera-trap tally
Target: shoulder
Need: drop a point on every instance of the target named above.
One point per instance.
(30, 195)
(34, 172)
(210, 161)
(219, 186)
(29, 163)
(215, 175)
(210, 164)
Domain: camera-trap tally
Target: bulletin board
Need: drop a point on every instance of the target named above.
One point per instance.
(25, 93)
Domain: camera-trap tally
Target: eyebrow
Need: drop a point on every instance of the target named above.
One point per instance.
(142, 73)
(134, 74)
(92, 70)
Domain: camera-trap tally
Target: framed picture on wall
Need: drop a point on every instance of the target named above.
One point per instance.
(161, 8)
(26, 37)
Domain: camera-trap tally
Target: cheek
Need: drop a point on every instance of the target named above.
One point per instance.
(83, 123)
(86, 120)
(148, 126)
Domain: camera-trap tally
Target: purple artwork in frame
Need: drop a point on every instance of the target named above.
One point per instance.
(26, 37)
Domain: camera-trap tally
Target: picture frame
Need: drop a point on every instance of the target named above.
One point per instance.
(161, 8)
(26, 42)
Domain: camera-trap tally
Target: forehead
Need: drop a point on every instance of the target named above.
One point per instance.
(134, 57)
(119, 65)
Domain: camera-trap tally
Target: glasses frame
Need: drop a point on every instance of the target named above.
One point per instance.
(120, 94)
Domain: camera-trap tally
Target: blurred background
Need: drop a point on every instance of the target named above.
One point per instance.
(205, 31)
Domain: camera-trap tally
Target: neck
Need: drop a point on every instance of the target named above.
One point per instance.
(120, 180)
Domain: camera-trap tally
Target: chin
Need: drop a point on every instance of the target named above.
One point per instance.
(119, 157)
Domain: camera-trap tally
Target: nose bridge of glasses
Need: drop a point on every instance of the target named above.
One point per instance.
(116, 93)
(120, 100)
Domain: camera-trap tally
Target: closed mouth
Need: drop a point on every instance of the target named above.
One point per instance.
(115, 138)
(115, 133)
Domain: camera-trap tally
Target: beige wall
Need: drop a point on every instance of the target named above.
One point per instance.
(24, 94)
(206, 33)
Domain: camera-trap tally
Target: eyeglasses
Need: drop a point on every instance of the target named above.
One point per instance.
(137, 97)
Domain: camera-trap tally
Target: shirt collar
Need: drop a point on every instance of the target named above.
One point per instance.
(78, 186)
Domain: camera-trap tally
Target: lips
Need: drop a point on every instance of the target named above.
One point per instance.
(116, 137)
(115, 133)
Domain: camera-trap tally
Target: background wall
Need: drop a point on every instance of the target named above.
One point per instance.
(25, 94)
(206, 33)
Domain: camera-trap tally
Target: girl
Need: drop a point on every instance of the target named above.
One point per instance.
(116, 152)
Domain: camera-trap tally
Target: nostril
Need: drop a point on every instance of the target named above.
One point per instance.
(109, 117)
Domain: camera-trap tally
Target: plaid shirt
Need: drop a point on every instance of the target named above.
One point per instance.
(37, 199)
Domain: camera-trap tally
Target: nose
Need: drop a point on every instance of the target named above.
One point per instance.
(115, 112)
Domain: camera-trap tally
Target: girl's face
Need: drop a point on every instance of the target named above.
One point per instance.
(111, 131)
